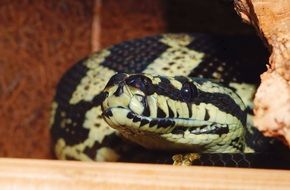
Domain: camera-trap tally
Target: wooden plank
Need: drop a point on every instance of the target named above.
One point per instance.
(48, 174)
(96, 26)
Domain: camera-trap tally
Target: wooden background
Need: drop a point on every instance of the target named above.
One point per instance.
(70, 175)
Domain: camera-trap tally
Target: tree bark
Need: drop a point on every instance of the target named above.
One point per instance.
(271, 18)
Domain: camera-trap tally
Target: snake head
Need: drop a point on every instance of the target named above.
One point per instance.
(175, 113)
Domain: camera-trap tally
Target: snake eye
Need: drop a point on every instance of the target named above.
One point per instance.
(140, 82)
(188, 92)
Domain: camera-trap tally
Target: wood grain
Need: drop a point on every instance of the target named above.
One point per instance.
(44, 174)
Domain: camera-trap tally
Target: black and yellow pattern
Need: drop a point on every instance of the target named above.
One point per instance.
(175, 113)
(79, 132)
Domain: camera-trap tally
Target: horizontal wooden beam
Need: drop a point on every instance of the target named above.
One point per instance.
(49, 174)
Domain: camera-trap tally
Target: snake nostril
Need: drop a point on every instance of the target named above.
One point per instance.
(135, 81)
(141, 82)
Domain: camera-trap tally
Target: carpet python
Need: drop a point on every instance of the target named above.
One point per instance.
(184, 93)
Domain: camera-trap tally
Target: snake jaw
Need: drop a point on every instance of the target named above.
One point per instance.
(122, 117)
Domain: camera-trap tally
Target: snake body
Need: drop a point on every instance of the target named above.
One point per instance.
(183, 93)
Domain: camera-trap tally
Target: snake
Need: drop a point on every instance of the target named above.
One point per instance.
(185, 99)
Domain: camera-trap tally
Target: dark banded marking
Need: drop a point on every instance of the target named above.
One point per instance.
(135, 55)
(136, 119)
(76, 112)
(130, 115)
(206, 115)
(116, 79)
(161, 123)
(164, 123)
(219, 53)
(119, 91)
(160, 113)
(181, 79)
(220, 131)
(69, 81)
(170, 111)
(144, 122)
(108, 113)
(189, 110)
(223, 102)
(164, 82)
(146, 111)
(153, 123)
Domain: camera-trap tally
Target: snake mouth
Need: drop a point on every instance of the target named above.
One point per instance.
(122, 117)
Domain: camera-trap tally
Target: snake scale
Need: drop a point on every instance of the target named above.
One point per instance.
(186, 97)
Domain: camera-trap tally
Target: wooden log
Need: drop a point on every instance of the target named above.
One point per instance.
(271, 18)
(45, 174)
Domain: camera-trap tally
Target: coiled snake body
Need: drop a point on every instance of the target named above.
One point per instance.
(184, 93)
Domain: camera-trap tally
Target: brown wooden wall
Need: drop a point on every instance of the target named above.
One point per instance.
(39, 40)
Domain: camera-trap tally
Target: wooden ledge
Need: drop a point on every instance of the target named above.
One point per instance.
(48, 174)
